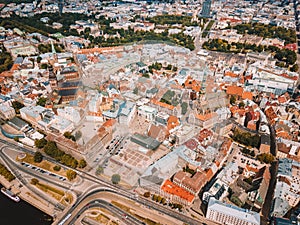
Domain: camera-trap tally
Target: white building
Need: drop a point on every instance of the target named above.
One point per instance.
(127, 113)
(61, 125)
(223, 213)
(7, 112)
(147, 112)
(70, 113)
(286, 194)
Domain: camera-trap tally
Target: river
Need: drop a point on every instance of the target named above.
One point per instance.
(21, 213)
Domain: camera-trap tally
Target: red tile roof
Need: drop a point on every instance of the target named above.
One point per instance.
(174, 189)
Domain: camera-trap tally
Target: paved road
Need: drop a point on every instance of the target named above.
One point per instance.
(12, 167)
(95, 202)
(101, 185)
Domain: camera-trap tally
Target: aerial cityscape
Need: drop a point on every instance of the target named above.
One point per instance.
(165, 112)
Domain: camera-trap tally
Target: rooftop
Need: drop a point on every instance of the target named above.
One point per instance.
(174, 189)
(145, 141)
(231, 210)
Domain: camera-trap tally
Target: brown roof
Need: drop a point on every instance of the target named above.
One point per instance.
(270, 113)
(194, 182)
(283, 148)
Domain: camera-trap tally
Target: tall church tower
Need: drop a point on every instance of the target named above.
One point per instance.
(60, 6)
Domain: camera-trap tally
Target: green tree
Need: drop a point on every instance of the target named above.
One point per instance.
(184, 107)
(99, 170)
(34, 181)
(6, 173)
(295, 68)
(265, 158)
(232, 100)
(147, 194)
(44, 66)
(68, 135)
(159, 198)
(40, 143)
(16, 139)
(38, 157)
(154, 198)
(168, 67)
(39, 59)
(57, 167)
(82, 163)
(115, 178)
(71, 175)
(42, 101)
(241, 105)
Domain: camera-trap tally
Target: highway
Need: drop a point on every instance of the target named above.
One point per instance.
(104, 204)
(24, 182)
(100, 185)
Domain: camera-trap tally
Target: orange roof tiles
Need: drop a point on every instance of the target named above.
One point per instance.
(100, 50)
(271, 115)
(232, 20)
(6, 74)
(250, 168)
(206, 116)
(251, 125)
(174, 189)
(247, 95)
(204, 133)
(190, 83)
(14, 67)
(283, 134)
(94, 113)
(231, 74)
(235, 90)
(284, 98)
(162, 104)
(289, 77)
(209, 172)
(173, 122)
(109, 123)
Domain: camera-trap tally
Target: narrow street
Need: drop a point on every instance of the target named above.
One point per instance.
(273, 169)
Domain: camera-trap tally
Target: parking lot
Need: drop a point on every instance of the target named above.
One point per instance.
(42, 171)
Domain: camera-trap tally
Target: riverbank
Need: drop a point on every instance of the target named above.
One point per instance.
(24, 192)
(26, 195)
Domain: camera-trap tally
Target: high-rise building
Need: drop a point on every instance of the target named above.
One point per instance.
(205, 12)
(60, 6)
